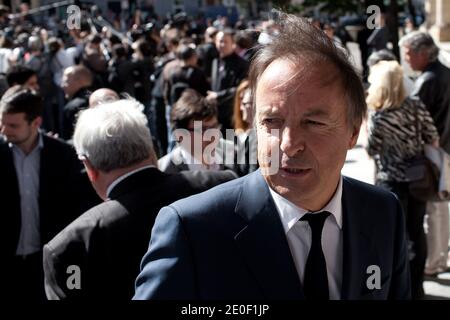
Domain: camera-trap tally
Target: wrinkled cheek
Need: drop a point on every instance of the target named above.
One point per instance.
(269, 152)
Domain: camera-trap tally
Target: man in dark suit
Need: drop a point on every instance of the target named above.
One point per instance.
(76, 83)
(432, 87)
(207, 51)
(185, 75)
(227, 72)
(42, 190)
(296, 228)
(97, 256)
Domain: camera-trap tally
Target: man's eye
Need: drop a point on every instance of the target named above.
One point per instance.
(314, 123)
(271, 121)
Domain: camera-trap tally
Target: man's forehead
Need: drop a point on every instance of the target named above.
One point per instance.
(318, 110)
(16, 116)
(223, 35)
(288, 74)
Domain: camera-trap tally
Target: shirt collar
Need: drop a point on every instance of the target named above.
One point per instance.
(195, 164)
(39, 145)
(123, 177)
(188, 158)
(290, 213)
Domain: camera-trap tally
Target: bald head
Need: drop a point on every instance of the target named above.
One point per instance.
(76, 78)
(210, 34)
(103, 95)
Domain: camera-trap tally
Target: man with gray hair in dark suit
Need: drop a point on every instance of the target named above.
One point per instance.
(97, 256)
(432, 87)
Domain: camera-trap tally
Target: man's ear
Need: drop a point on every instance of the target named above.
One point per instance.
(91, 171)
(37, 122)
(354, 137)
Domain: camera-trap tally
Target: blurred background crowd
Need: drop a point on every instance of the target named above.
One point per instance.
(188, 61)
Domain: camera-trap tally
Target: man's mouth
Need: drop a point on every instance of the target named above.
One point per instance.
(295, 171)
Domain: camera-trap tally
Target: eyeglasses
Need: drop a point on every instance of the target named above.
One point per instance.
(82, 157)
(203, 129)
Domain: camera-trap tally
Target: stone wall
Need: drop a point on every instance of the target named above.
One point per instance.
(438, 19)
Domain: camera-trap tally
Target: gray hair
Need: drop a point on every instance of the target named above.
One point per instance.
(299, 39)
(418, 41)
(35, 43)
(113, 135)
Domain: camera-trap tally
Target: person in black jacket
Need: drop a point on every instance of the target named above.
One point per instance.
(120, 71)
(142, 70)
(227, 72)
(185, 75)
(104, 246)
(42, 189)
(22, 75)
(76, 84)
(207, 52)
(432, 87)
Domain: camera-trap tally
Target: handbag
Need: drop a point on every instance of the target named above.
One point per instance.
(422, 173)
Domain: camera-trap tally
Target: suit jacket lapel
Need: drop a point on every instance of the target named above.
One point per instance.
(263, 243)
(358, 248)
(47, 166)
(13, 219)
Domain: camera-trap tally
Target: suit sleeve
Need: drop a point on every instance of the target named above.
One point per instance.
(66, 270)
(167, 269)
(53, 289)
(400, 285)
(425, 92)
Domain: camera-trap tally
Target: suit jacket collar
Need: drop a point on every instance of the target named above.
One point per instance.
(177, 160)
(143, 178)
(82, 93)
(119, 179)
(265, 249)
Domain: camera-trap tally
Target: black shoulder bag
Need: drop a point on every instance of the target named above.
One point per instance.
(422, 173)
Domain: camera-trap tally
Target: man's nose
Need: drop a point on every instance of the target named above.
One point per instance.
(292, 141)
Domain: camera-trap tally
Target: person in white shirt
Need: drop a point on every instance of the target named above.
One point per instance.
(200, 145)
(296, 228)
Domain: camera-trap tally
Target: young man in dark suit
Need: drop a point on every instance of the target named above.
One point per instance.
(199, 142)
(42, 190)
(97, 256)
(295, 229)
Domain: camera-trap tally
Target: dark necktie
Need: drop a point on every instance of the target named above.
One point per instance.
(315, 282)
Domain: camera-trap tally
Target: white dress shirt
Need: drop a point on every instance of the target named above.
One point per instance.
(27, 171)
(298, 235)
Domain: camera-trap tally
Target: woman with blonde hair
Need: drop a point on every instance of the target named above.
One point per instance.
(395, 126)
(242, 110)
(243, 127)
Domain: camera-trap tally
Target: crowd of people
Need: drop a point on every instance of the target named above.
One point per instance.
(100, 130)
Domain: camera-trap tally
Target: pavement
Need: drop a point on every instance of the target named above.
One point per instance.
(360, 166)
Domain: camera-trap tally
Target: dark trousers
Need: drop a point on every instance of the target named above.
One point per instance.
(26, 278)
(414, 210)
